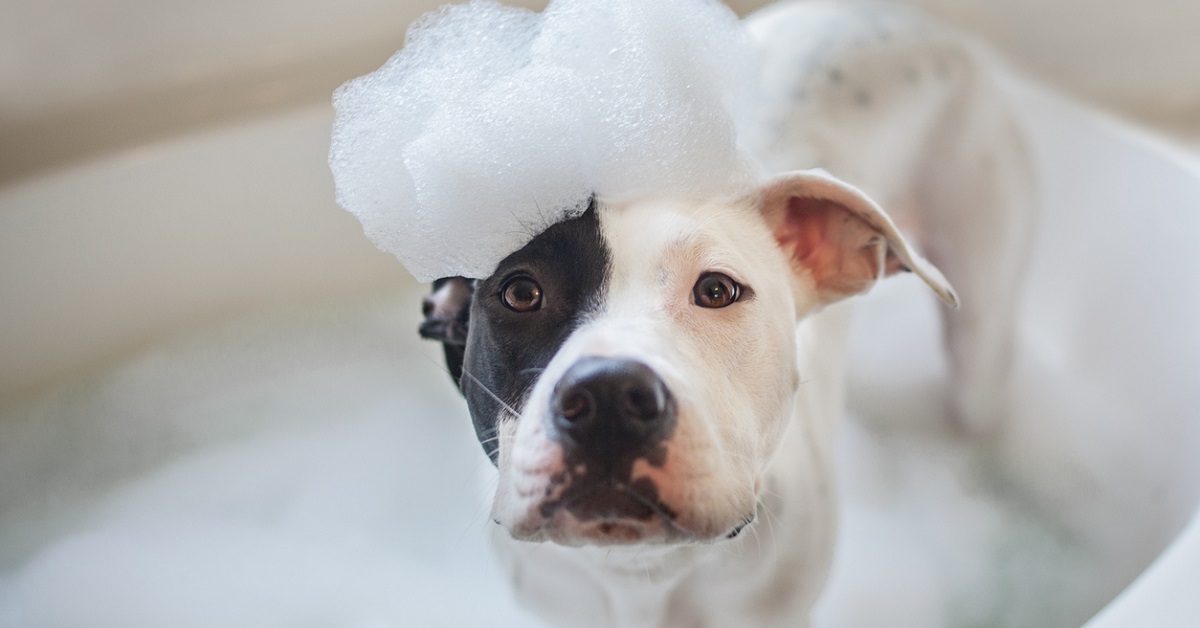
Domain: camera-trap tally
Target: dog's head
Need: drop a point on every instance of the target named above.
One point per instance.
(630, 371)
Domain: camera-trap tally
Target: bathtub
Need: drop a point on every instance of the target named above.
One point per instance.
(214, 409)
(1089, 489)
(217, 410)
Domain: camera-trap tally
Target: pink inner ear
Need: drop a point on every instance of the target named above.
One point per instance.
(842, 252)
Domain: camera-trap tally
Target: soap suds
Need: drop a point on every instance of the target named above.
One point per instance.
(493, 123)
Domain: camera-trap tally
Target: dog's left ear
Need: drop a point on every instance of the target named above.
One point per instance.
(838, 240)
(447, 313)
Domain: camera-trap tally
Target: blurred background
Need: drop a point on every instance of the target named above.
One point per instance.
(175, 278)
(86, 82)
(80, 79)
(83, 82)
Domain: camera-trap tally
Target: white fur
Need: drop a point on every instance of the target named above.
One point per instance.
(744, 397)
(760, 384)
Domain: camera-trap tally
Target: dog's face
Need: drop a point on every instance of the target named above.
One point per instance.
(630, 371)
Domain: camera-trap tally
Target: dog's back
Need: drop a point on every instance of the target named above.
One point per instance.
(913, 114)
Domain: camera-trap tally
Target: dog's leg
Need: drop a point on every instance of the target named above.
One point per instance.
(914, 117)
(975, 198)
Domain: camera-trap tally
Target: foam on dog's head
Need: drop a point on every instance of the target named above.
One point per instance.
(494, 123)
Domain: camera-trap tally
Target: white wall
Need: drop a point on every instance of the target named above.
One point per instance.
(1141, 56)
(80, 78)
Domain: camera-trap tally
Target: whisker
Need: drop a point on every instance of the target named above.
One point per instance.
(491, 394)
(757, 538)
(770, 517)
(513, 411)
(437, 363)
(488, 441)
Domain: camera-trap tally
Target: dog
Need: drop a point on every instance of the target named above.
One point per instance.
(659, 381)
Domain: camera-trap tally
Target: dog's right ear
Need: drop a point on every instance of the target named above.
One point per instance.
(838, 240)
(447, 319)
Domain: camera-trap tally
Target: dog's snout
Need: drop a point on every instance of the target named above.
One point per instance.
(601, 397)
(575, 405)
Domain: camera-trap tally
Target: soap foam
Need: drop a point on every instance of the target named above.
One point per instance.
(494, 123)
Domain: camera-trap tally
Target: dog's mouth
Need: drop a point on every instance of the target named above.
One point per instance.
(608, 513)
(613, 513)
(612, 501)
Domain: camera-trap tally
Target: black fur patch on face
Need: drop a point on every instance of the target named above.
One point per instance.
(507, 350)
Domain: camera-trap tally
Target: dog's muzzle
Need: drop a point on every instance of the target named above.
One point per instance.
(608, 413)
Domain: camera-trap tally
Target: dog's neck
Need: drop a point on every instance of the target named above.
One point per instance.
(625, 586)
(773, 572)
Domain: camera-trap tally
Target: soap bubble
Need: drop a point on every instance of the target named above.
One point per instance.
(493, 123)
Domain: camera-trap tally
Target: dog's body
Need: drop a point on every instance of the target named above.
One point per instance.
(659, 381)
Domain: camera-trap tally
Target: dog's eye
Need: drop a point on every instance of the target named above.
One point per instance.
(521, 294)
(716, 290)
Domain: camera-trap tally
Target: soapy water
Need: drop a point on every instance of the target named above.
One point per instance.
(296, 467)
(493, 123)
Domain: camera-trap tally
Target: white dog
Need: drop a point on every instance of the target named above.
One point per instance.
(659, 382)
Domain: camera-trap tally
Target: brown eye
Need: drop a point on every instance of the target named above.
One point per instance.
(716, 290)
(521, 294)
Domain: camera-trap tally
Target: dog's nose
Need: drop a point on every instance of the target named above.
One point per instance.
(602, 397)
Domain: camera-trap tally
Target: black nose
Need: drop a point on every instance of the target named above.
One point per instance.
(601, 400)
